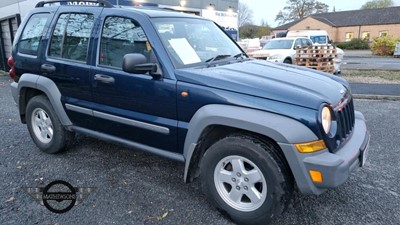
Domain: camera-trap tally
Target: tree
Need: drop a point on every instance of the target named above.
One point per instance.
(375, 4)
(253, 31)
(264, 23)
(245, 14)
(299, 9)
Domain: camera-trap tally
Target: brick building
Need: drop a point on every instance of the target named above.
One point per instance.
(346, 25)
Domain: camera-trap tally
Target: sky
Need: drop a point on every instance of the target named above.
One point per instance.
(267, 9)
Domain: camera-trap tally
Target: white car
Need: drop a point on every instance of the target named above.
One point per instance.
(282, 50)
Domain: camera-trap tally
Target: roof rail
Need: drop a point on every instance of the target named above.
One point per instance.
(102, 3)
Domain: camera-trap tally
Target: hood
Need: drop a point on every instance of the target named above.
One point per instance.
(268, 53)
(278, 82)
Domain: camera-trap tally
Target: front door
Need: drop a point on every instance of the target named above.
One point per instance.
(134, 107)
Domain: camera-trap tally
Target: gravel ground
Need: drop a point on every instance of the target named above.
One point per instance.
(138, 188)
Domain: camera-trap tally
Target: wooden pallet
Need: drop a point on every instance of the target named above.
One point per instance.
(316, 57)
(320, 67)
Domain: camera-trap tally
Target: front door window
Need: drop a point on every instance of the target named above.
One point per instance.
(121, 36)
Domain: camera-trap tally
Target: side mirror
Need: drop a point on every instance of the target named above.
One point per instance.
(330, 41)
(137, 63)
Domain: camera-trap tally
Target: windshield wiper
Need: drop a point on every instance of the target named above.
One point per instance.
(240, 55)
(215, 58)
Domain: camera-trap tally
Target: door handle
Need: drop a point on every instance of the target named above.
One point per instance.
(104, 79)
(48, 69)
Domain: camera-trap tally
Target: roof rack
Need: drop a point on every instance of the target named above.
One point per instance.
(102, 3)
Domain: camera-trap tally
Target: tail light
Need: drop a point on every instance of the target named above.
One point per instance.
(10, 63)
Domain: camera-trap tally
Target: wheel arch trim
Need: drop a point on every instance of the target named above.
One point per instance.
(277, 127)
(48, 87)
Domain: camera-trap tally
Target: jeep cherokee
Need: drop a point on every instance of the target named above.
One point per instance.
(177, 86)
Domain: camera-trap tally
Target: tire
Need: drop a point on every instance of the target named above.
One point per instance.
(246, 179)
(287, 61)
(44, 126)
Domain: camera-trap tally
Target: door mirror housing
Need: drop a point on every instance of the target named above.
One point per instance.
(137, 63)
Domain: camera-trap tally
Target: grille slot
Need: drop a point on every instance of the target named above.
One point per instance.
(345, 119)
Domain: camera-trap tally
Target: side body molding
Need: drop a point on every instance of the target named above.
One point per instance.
(279, 128)
(47, 86)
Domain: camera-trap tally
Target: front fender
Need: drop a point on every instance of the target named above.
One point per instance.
(279, 128)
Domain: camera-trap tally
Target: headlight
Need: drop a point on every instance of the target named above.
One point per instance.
(326, 119)
(275, 57)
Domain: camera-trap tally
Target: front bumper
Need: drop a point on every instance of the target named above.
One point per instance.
(335, 167)
(267, 58)
(275, 60)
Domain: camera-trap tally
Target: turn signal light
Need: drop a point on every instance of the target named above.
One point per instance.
(316, 176)
(310, 147)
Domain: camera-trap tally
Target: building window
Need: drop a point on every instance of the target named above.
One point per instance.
(349, 36)
(366, 35)
(383, 33)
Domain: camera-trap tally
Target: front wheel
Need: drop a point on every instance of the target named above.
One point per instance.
(287, 61)
(44, 126)
(246, 179)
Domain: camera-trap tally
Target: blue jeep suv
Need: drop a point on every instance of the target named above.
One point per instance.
(177, 86)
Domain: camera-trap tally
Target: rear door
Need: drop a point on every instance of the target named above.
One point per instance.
(67, 59)
(134, 107)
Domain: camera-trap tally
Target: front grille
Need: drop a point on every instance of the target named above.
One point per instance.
(345, 120)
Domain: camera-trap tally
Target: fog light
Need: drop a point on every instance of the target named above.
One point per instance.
(310, 147)
(316, 176)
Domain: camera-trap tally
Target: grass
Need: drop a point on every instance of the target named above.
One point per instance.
(372, 76)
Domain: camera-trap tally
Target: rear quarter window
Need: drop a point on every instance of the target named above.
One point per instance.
(32, 34)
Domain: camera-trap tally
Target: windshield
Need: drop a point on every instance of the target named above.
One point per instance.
(278, 44)
(192, 42)
(319, 39)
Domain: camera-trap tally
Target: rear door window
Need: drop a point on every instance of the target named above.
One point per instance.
(70, 38)
(32, 34)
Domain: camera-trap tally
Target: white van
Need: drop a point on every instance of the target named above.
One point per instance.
(319, 37)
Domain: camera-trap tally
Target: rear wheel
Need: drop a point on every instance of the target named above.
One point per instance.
(44, 126)
(246, 179)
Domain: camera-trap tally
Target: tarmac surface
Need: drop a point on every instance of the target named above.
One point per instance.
(364, 60)
(375, 89)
